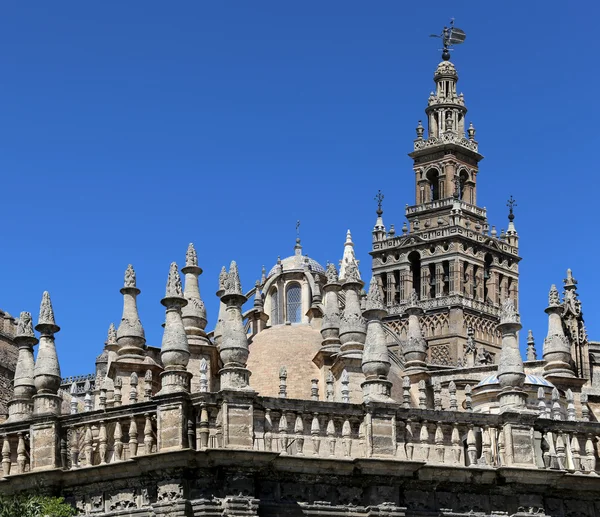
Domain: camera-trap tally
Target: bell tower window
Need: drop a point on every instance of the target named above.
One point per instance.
(462, 185)
(294, 303)
(415, 268)
(433, 176)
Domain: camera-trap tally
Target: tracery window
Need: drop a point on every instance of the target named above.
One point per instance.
(275, 307)
(294, 303)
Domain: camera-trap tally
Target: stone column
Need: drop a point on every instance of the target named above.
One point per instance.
(46, 375)
(234, 344)
(20, 407)
(557, 350)
(330, 328)
(175, 351)
(352, 324)
(130, 334)
(375, 360)
(415, 348)
(511, 374)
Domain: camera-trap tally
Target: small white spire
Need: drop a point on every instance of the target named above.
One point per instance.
(348, 257)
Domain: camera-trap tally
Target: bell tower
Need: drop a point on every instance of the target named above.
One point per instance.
(460, 270)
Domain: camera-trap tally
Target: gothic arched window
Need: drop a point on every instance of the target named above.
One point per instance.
(462, 184)
(294, 303)
(275, 307)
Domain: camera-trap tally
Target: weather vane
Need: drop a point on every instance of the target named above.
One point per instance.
(450, 36)
(298, 228)
(510, 204)
(379, 198)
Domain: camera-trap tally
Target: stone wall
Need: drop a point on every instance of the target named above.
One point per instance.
(8, 360)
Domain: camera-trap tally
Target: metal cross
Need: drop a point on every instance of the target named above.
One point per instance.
(379, 198)
(510, 204)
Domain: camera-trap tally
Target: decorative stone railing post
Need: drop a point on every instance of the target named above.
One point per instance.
(556, 413)
(570, 406)
(282, 382)
(345, 386)
(452, 396)
(315, 432)
(585, 410)
(87, 400)
(406, 392)
(314, 389)
(329, 381)
(541, 395)
(468, 398)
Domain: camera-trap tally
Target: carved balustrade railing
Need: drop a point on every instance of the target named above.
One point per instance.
(108, 436)
(415, 432)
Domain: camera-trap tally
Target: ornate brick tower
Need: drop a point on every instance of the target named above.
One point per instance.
(461, 271)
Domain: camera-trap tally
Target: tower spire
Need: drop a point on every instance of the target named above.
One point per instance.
(348, 258)
(379, 229)
(130, 334)
(20, 406)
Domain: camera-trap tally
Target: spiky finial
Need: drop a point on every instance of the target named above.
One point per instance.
(73, 389)
(509, 313)
(25, 327)
(222, 279)
(570, 281)
(46, 318)
(553, 297)
(352, 274)
(375, 296)
(332, 274)
(111, 339)
(174, 289)
(130, 279)
(232, 283)
(191, 258)
(263, 276)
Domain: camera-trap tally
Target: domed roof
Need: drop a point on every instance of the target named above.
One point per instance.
(296, 262)
(292, 346)
(445, 69)
(533, 380)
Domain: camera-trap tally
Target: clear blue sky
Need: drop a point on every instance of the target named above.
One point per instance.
(129, 129)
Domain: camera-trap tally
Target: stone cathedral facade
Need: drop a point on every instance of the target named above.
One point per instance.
(321, 392)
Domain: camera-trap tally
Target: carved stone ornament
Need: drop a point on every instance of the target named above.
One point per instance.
(332, 274)
(122, 500)
(222, 278)
(413, 299)
(46, 311)
(352, 274)
(174, 289)
(553, 297)
(112, 335)
(170, 491)
(25, 327)
(375, 296)
(509, 312)
(130, 280)
(191, 258)
(232, 283)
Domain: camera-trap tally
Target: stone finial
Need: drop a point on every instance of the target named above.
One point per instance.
(232, 283)
(531, 352)
(263, 276)
(191, 258)
(352, 324)
(19, 406)
(25, 326)
(130, 334)
(111, 338)
(222, 279)
(509, 312)
(375, 296)
(332, 274)
(375, 358)
(47, 370)
(234, 341)
(46, 318)
(175, 351)
(553, 297)
(415, 347)
(349, 260)
(174, 288)
(511, 374)
(570, 281)
(130, 279)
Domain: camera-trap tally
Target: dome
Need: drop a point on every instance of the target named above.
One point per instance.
(532, 380)
(296, 263)
(292, 346)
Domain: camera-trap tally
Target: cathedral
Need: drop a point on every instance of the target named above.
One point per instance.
(326, 389)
